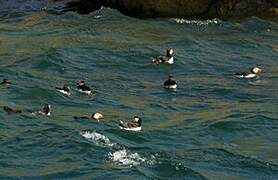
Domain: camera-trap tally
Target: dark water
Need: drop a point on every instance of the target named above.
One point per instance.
(213, 126)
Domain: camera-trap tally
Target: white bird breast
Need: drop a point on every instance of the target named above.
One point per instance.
(64, 92)
(171, 60)
(171, 86)
(132, 129)
(85, 92)
(250, 76)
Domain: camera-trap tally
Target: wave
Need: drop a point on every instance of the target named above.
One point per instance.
(196, 22)
(97, 138)
(118, 154)
(126, 158)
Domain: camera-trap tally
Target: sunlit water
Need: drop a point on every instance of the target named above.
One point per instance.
(213, 126)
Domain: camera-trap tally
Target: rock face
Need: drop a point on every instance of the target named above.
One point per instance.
(162, 8)
(224, 9)
(243, 8)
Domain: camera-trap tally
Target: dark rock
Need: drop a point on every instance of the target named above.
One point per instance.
(224, 9)
(233, 9)
(84, 6)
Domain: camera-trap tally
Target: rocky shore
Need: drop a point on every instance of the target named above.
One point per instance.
(224, 9)
(204, 9)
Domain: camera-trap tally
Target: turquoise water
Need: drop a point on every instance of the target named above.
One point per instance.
(213, 126)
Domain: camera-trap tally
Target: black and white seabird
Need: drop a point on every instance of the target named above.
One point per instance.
(249, 75)
(6, 82)
(64, 90)
(44, 112)
(81, 87)
(167, 59)
(134, 125)
(170, 83)
(96, 116)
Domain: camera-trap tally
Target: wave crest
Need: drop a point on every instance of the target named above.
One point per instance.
(126, 158)
(119, 154)
(97, 138)
(196, 22)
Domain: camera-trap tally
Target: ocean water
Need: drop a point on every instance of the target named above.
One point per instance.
(214, 126)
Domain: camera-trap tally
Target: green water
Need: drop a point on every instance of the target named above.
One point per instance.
(213, 126)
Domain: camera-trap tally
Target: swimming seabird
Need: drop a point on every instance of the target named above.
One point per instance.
(249, 75)
(64, 90)
(170, 83)
(11, 110)
(82, 87)
(44, 112)
(6, 82)
(134, 125)
(167, 59)
(96, 116)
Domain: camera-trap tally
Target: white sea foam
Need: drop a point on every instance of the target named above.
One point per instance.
(97, 138)
(119, 154)
(196, 22)
(126, 158)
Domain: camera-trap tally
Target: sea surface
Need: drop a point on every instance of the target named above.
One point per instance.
(214, 126)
